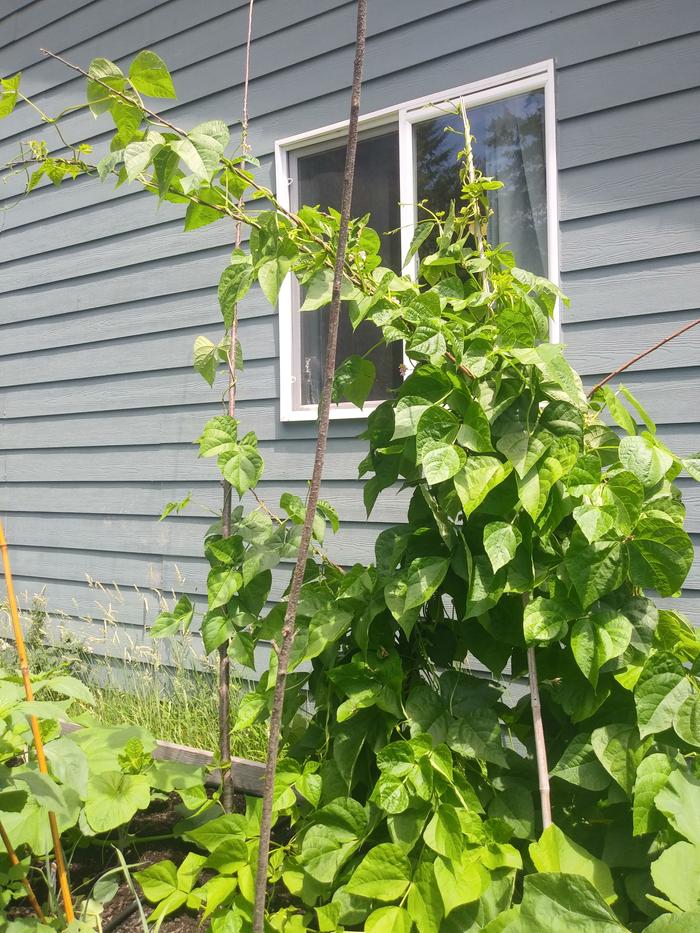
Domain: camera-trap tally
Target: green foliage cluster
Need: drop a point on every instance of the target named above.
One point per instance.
(407, 801)
(99, 778)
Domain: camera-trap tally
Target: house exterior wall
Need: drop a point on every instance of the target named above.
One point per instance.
(102, 295)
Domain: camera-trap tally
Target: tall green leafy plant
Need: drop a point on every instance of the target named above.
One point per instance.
(408, 795)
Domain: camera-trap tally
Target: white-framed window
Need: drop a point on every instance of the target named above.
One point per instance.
(406, 155)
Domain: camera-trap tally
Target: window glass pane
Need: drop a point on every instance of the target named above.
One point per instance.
(508, 145)
(375, 191)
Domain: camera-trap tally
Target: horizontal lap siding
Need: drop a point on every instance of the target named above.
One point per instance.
(101, 300)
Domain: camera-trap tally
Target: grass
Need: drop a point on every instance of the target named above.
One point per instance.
(171, 691)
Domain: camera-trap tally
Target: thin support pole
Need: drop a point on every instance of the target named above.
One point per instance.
(540, 746)
(640, 356)
(36, 732)
(289, 627)
(224, 659)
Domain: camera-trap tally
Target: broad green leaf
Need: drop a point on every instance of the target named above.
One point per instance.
(460, 882)
(334, 836)
(479, 476)
(513, 804)
(441, 462)
(234, 283)
(652, 774)
(415, 585)
(165, 165)
(30, 825)
(206, 358)
(389, 920)
(271, 275)
(559, 903)
(676, 923)
(424, 901)
(443, 834)
(201, 154)
(478, 735)
(501, 541)
(113, 798)
(222, 584)
(674, 633)
(641, 411)
(618, 411)
(138, 155)
(69, 763)
(98, 97)
(201, 215)
(620, 750)
(325, 628)
(8, 98)
(676, 873)
(534, 488)
(622, 492)
(383, 874)
(594, 522)
(12, 800)
(353, 380)
(150, 76)
(597, 639)
(475, 431)
(104, 744)
(421, 234)
(407, 414)
(578, 765)
(214, 129)
(217, 627)
(127, 119)
(595, 569)
(661, 689)
(562, 383)
(158, 881)
(644, 458)
(43, 789)
(679, 801)
(220, 436)
(555, 852)
(436, 425)
(686, 721)
(691, 465)
(243, 466)
(168, 623)
(214, 833)
(546, 620)
(522, 449)
(661, 555)
(320, 289)
(66, 686)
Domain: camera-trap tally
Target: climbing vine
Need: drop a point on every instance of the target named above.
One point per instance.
(407, 795)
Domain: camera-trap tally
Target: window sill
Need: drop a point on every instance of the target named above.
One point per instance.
(342, 412)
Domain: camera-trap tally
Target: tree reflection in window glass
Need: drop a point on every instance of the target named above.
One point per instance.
(375, 192)
(509, 144)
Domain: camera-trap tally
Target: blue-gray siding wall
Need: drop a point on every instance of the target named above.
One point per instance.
(101, 295)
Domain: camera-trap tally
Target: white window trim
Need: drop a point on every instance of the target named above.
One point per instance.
(403, 116)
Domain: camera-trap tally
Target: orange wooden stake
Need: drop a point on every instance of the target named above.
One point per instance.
(34, 723)
(25, 881)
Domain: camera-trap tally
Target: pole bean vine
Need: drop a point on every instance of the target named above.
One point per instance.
(406, 797)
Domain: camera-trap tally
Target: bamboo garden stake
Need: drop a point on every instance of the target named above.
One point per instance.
(36, 732)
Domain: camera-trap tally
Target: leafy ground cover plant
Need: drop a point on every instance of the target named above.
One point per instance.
(408, 799)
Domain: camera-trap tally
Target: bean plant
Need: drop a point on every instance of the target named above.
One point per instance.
(540, 521)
